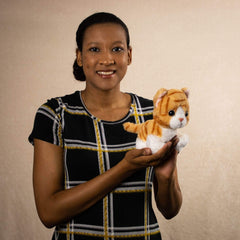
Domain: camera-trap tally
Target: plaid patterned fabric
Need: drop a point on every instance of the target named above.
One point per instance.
(91, 147)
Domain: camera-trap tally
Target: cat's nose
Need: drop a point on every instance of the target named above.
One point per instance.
(180, 119)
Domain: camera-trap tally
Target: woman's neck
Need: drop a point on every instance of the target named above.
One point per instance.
(107, 105)
(102, 99)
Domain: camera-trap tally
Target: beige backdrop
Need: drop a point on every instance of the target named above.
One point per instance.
(175, 43)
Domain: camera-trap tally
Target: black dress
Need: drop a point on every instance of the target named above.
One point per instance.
(91, 147)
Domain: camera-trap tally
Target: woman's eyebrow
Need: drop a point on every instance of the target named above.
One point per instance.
(92, 43)
(118, 42)
(95, 43)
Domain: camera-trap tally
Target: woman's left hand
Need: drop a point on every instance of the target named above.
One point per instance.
(167, 166)
(167, 191)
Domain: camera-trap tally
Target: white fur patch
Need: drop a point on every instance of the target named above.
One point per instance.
(179, 120)
(183, 141)
(154, 142)
(168, 134)
(140, 143)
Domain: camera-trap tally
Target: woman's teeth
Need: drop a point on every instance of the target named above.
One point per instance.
(105, 73)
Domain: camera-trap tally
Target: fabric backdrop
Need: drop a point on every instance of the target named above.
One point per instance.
(177, 43)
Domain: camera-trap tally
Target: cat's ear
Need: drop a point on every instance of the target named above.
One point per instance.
(158, 96)
(186, 91)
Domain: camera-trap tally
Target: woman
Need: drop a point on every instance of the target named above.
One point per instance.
(88, 179)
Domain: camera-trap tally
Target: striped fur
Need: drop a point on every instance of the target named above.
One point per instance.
(144, 129)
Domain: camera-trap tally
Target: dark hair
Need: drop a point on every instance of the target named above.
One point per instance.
(96, 18)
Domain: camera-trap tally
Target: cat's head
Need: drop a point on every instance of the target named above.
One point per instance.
(171, 107)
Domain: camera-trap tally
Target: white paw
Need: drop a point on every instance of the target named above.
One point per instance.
(183, 141)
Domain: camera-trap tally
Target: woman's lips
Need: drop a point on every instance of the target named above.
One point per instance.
(108, 73)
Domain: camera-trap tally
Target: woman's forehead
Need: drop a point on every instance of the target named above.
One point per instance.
(103, 32)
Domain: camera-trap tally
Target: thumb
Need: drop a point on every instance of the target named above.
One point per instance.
(142, 152)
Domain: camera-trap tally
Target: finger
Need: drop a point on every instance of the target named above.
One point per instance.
(141, 152)
(164, 153)
(165, 148)
(175, 142)
(147, 151)
(174, 138)
(160, 155)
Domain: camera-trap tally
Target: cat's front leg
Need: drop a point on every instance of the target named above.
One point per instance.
(154, 142)
(183, 141)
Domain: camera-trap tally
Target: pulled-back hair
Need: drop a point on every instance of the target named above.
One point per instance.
(96, 18)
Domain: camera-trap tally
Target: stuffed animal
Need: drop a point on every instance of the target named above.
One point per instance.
(171, 111)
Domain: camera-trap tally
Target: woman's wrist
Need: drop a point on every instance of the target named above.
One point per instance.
(127, 166)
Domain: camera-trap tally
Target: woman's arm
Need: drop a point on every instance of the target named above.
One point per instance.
(56, 205)
(168, 195)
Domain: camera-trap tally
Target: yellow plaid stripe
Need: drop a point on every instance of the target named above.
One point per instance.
(110, 236)
(100, 153)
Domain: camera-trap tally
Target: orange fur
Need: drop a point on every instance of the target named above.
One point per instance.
(144, 129)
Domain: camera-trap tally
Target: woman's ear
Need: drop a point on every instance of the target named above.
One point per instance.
(79, 57)
(129, 55)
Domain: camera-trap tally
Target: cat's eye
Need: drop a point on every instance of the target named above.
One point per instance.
(186, 114)
(171, 113)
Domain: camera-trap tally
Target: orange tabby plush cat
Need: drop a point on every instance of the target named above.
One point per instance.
(171, 111)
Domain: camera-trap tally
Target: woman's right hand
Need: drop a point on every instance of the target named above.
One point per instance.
(141, 158)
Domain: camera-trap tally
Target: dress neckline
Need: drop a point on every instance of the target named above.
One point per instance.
(130, 111)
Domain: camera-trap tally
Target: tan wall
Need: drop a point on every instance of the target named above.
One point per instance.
(175, 43)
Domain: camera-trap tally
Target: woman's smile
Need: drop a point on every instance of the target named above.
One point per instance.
(106, 74)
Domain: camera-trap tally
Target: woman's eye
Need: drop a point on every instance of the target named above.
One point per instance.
(171, 113)
(117, 49)
(94, 49)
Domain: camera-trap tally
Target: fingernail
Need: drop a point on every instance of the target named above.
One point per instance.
(147, 151)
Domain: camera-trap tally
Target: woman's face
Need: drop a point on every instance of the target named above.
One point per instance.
(105, 56)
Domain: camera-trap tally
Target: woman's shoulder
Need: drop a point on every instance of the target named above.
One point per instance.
(72, 99)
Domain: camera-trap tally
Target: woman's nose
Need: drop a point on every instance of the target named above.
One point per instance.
(107, 62)
(106, 59)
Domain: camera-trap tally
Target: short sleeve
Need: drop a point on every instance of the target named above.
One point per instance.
(47, 124)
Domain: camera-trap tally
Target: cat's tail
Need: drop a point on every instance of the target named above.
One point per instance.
(132, 127)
